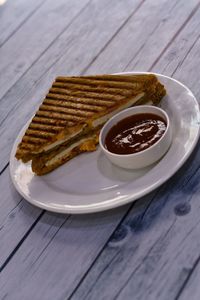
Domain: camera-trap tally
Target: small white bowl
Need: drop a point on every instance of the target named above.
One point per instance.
(143, 158)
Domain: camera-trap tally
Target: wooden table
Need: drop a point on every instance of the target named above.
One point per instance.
(149, 249)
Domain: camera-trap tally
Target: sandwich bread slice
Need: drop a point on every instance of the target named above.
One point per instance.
(70, 117)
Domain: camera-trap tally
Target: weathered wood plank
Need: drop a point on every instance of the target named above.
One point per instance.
(147, 52)
(9, 224)
(59, 234)
(123, 254)
(184, 54)
(77, 62)
(144, 41)
(25, 96)
(139, 232)
(190, 288)
(165, 240)
(153, 251)
(13, 15)
(16, 217)
(34, 37)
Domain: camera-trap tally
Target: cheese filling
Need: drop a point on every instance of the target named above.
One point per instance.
(67, 151)
(95, 123)
(57, 143)
(105, 118)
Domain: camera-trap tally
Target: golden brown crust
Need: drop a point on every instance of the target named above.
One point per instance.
(40, 167)
(73, 102)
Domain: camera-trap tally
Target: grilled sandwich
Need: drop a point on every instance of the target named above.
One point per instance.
(70, 117)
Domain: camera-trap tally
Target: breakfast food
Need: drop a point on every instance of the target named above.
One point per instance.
(71, 115)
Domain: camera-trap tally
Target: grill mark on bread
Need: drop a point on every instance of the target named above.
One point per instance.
(33, 140)
(45, 127)
(76, 105)
(75, 102)
(41, 134)
(27, 147)
(52, 122)
(98, 83)
(87, 88)
(68, 111)
(59, 116)
(85, 95)
(122, 78)
(86, 101)
(40, 164)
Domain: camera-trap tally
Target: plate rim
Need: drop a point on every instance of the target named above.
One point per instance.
(107, 205)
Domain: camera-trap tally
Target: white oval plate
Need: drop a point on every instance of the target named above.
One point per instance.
(90, 183)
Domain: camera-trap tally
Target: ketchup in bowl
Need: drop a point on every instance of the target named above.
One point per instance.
(135, 133)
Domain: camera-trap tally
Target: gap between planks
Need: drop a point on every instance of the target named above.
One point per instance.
(102, 249)
(26, 235)
(107, 44)
(43, 52)
(22, 23)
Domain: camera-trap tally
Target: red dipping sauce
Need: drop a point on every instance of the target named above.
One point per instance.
(135, 133)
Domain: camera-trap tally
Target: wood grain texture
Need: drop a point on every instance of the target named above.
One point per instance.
(16, 217)
(116, 239)
(14, 233)
(70, 243)
(181, 60)
(171, 257)
(26, 95)
(181, 10)
(155, 248)
(138, 51)
(190, 288)
(14, 14)
(34, 37)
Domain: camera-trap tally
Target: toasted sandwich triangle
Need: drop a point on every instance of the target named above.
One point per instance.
(76, 107)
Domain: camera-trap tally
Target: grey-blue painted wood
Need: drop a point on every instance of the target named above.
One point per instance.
(191, 285)
(12, 228)
(153, 32)
(55, 257)
(16, 217)
(34, 37)
(81, 43)
(148, 252)
(14, 14)
(11, 237)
